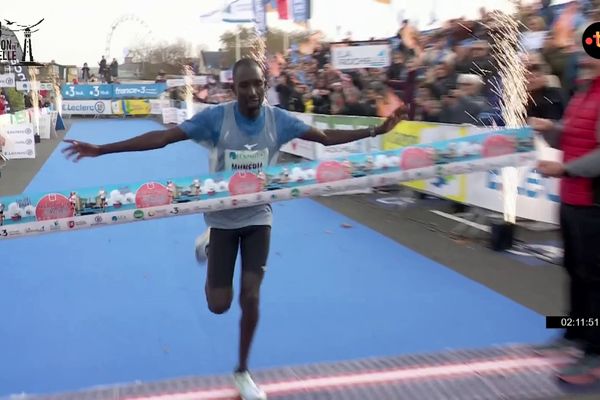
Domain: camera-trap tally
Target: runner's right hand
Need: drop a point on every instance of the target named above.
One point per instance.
(80, 150)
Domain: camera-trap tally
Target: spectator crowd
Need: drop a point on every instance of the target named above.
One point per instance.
(448, 75)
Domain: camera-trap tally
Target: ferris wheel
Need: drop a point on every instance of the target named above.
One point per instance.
(122, 20)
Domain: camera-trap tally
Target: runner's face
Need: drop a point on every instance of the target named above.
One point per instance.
(249, 85)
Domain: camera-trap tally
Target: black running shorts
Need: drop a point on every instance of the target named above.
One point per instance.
(223, 247)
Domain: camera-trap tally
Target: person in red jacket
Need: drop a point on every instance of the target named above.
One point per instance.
(578, 136)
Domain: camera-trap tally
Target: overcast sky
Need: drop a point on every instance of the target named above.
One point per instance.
(73, 33)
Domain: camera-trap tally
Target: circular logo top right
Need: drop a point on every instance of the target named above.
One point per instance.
(591, 40)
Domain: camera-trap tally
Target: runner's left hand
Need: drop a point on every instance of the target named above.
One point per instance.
(392, 121)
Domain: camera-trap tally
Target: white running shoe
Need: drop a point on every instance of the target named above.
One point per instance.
(247, 388)
(202, 247)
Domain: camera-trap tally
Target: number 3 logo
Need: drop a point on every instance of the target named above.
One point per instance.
(4, 233)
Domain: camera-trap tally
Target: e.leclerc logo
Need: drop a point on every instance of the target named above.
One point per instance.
(591, 40)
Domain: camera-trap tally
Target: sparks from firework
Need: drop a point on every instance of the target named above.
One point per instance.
(57, 94)
(258, 49)
(188, 76)
(506, 49)
(35, 99)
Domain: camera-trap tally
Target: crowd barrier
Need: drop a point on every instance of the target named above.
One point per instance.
(538, 197)
(114, 107)
(73, 209)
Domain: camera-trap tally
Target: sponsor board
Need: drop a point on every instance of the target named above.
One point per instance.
(86, 107)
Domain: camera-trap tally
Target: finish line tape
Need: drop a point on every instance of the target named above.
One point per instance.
(27, 215)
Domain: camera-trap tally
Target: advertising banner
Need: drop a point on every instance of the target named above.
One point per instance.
(260, 16)
(87, 92)
(348, 56)
(54, 116)
(42, 127)
(136, 91)
(20, 141)
(300, 10)
(410, 133)
(169, 115)
(226, 76)
(131, 107)
(112, 91)
(7, 80)
(156, 106)
(312, 151)
(86, 107)
(5, 119)
(343, 122)
(20, 117)
(181, 116)
(537, 196)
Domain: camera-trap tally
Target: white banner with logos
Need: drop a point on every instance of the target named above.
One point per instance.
(53, 120)
(157, 106)
(181, 116)
(538, 198)
(7, 80)
(300, 148)
(43, 126)
(25, 86)
(355, 57)
(175, 82)
(87, 107)
(169, 115)
(314, 151)
(226, 76)
(20, 141)
(196, 80)
(5, 119)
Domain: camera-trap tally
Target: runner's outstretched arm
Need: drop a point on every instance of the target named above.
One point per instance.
(331, 137)
(147, 141)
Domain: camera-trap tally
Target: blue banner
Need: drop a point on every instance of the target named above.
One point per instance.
(260, 16)
(105, 91)
(87, 92)
(300, 10)
(138, 91)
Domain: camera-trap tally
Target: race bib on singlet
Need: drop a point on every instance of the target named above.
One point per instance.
(246, 160)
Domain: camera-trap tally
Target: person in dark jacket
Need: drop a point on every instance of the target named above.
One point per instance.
(544, 101)
(114, 68)
(85, 73)
(102, 67)
(578, 136)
